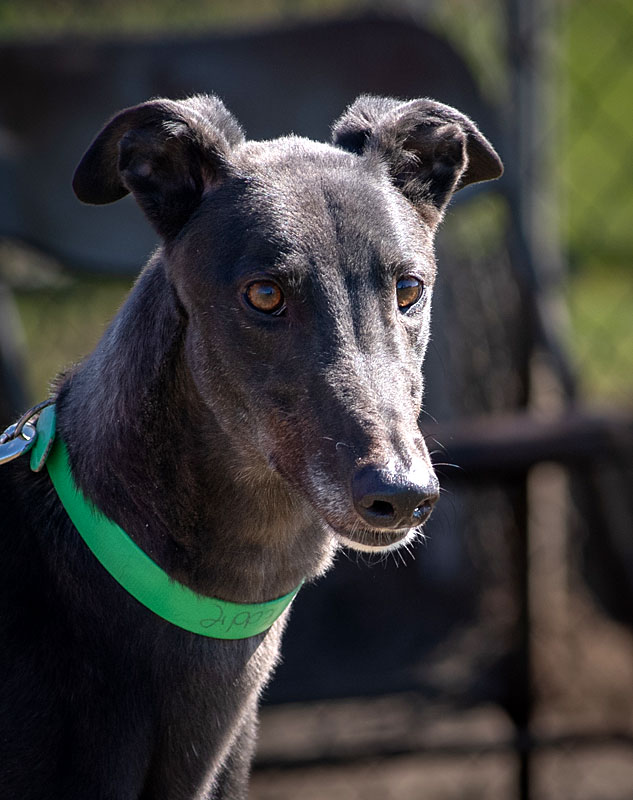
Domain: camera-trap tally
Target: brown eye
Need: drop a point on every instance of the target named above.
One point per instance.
(408, 291)
(265, 296)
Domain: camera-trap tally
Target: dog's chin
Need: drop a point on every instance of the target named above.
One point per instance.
(375, 540)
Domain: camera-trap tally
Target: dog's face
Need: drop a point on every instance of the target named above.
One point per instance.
(306, 273)
(308, 321)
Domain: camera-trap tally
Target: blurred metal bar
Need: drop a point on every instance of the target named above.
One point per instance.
(531, 175)
(532, 193)
(458, 749)
(523, 34)
(497, 448)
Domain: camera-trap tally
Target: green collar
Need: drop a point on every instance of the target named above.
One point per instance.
(134, 569)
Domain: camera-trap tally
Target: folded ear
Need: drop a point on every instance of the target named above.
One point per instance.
(165, 152)
(431, 150)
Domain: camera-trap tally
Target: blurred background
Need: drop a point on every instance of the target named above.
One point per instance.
(498, 661)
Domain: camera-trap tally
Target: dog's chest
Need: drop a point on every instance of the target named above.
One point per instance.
(206, 698)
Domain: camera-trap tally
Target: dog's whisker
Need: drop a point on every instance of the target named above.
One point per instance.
(429, 415)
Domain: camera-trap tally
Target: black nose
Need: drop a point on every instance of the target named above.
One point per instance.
(392, 500)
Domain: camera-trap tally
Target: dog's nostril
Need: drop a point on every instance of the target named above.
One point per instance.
(380, 508)
(421, 513)
(392, 500)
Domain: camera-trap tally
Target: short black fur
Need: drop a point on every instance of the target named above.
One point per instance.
(239, 450)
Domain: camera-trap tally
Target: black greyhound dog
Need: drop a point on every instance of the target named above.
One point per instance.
(253, 405)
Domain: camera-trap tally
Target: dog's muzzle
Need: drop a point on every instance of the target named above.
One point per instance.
(392, 501)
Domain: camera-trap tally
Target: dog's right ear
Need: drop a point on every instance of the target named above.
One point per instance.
(430, 150)
(165, 152)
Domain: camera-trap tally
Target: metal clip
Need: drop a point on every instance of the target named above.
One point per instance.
(13, 444)
(20, 437)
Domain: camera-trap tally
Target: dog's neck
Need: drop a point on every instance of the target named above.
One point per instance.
(149, 453)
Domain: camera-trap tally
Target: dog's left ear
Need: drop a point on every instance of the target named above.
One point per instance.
(165, 152)
(431, 149)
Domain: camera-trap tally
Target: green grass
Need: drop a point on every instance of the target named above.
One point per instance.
(62, 325)
(596, 153)
(37, 18)
(600, 303)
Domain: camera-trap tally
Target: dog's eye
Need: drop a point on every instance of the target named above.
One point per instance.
(265, 296)
(408, 291)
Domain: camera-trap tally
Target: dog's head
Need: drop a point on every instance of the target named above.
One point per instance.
(305, 271)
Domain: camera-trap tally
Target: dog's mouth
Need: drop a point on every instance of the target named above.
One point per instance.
(373, 540)
(379, 530)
